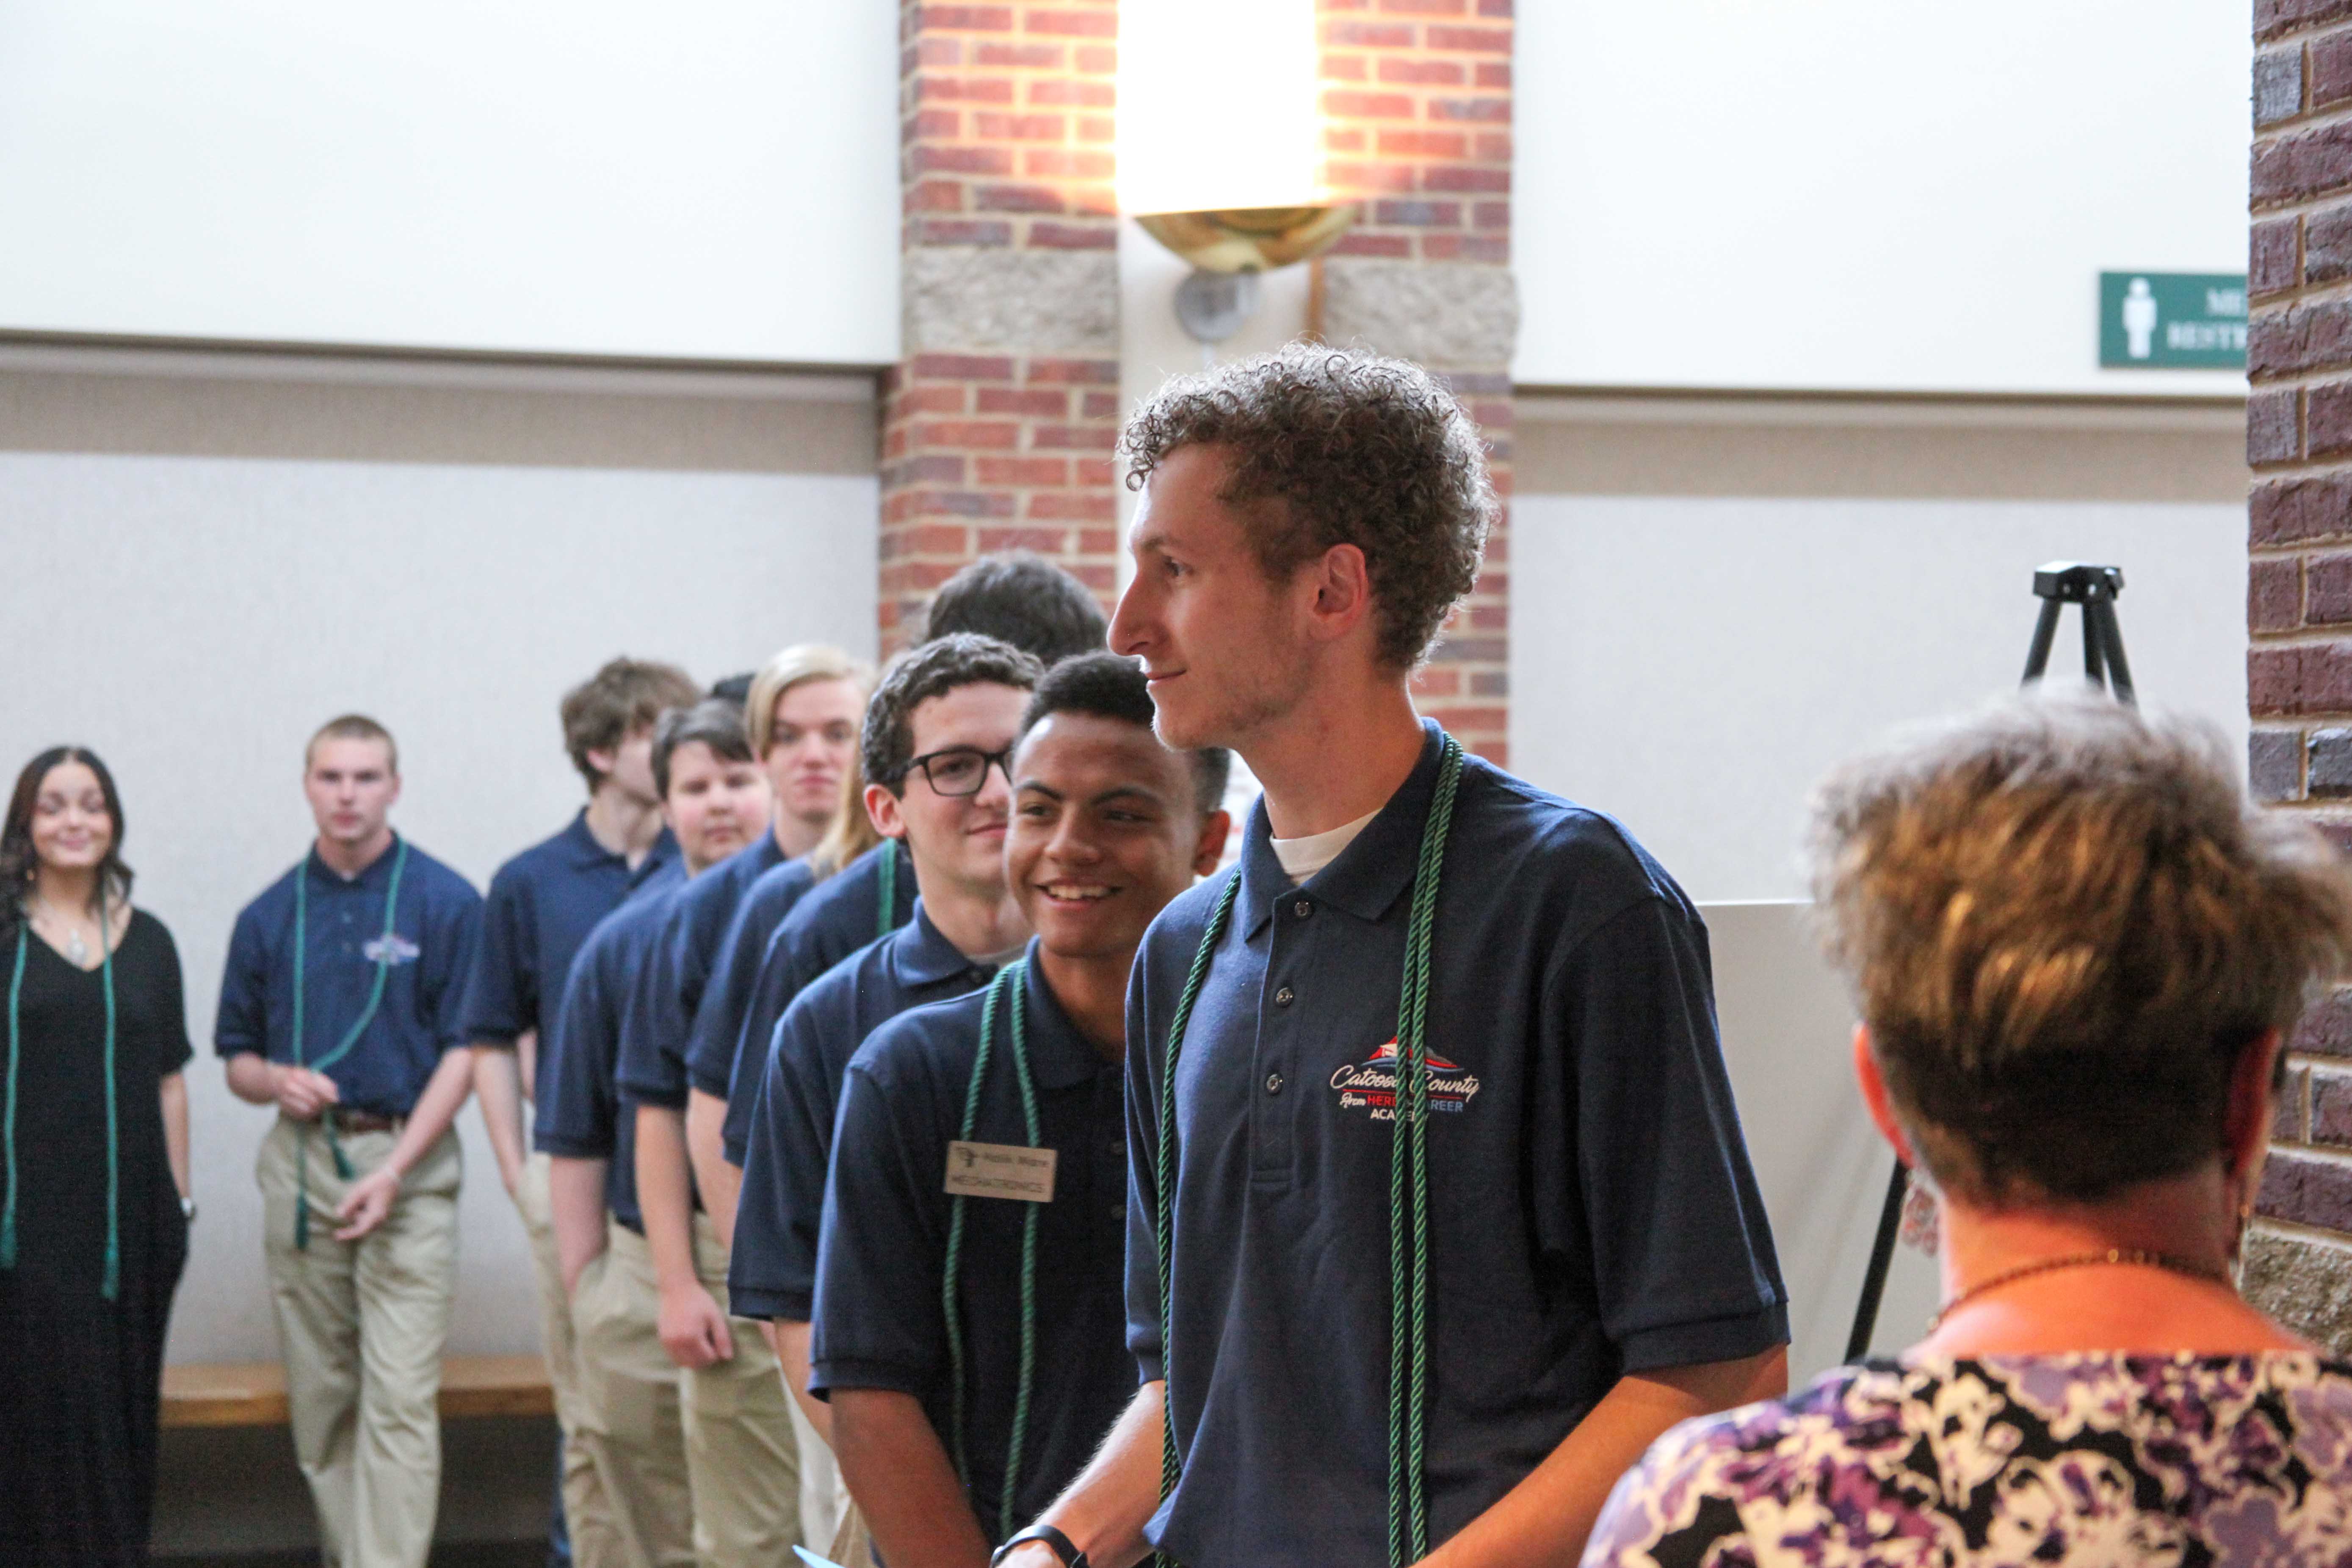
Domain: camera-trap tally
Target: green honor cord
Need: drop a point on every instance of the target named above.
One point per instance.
(1008, 985)
(1408, 1185)
(351, 1036)
(111, 1286)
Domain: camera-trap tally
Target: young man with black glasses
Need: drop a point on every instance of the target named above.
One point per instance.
(937, 746)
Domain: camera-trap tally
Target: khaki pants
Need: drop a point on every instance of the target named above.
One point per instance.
(742, 1444)
(596, 1541)
(360, 1325)
(627, 1404)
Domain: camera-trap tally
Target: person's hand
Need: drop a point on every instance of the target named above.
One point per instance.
(692, 1328)
(369, 1202)
(303, 1094)
(1032, 1554)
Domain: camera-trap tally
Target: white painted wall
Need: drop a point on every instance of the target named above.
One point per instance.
(1692, 666)
(1849, 194)
(194, 619)
(715, 181)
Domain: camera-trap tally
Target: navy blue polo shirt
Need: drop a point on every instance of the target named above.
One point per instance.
(578, 1114)
(1592, 1209)
(772, 1273)
(878, 1321)
(541, 906)
(839, 916)
(661, 1005)
(719, 1021)
(435, 930)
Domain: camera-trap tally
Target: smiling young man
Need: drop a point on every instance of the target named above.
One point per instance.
(1015, 596)
(1107, 825)
(1357, 1372)
(938, 751)
(715, 799)
(742, 1452)
(340, 1007)
(541, 906)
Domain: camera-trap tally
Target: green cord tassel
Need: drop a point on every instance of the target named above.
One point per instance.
(1010, 982)
(1408, 1187)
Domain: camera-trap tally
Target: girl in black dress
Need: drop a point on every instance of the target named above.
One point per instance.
(93, 1174)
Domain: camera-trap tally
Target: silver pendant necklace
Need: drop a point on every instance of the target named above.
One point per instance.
(76, 950)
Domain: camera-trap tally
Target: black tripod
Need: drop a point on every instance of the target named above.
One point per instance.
(2058, 584)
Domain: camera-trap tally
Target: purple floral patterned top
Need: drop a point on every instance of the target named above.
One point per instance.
(2071, 1461)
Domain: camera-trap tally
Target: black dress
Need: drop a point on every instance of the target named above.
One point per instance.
(79, 1375)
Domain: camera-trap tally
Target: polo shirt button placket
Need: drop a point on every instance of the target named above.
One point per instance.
(1302, 908)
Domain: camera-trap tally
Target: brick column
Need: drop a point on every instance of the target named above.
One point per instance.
(998, 421)
(2299, 602)
(1417, 126)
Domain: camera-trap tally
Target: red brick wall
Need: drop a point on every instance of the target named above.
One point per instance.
(1006, 127)
(1417, 126)
(2299, 601)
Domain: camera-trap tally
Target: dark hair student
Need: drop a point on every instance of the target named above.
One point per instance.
(93, 1171)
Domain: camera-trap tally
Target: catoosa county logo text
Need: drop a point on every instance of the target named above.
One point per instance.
(1370, 1086)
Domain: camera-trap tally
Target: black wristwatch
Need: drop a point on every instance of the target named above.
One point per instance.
(1061, 1545)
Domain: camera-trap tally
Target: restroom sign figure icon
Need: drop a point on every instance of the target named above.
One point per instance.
(2139, 319)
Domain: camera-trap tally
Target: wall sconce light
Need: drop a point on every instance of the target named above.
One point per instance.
(1229, 247)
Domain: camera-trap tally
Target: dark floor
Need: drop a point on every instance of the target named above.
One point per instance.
(492, 1555)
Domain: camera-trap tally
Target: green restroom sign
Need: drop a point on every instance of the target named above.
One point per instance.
(2172, 321)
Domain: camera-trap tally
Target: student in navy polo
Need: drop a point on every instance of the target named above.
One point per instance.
(1575, 1256)
(937, 751)
(930, 1418)
(1015, 596)
(742, 1453)
(340, 1006)
(715, 799)
(541, 906)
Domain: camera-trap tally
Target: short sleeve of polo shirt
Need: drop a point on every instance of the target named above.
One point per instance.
(785, 1173)
(501, 1004)
(876, 1302)
(241, 1022)
(1638, 1161)
(784, 971)
(719, 1020)
(654, 1020)
(453, 926)
(576, 1109)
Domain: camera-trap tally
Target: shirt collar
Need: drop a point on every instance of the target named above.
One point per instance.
(658, 858)
(1371, 873)
(374, 876)
(1059, 1056)
(920, 954)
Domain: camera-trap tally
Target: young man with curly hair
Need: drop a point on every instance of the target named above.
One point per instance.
(1445, 1215)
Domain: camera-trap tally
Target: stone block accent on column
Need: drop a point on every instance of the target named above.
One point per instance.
(1417, 126)
(2299, 604)
(998, 421)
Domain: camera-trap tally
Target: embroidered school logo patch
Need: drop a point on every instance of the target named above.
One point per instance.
(1370, 1086)
(393, 946)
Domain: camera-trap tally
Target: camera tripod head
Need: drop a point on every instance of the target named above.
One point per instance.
(2095, 588)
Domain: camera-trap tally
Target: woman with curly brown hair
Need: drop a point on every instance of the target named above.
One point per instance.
(93, 1197)
(2075, 948)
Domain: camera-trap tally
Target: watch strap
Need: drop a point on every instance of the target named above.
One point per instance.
(1061, 1545)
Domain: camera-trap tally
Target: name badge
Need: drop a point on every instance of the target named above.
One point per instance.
(1001, 1170)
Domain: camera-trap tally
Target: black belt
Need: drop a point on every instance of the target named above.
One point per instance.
(343, 1120)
